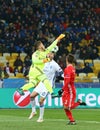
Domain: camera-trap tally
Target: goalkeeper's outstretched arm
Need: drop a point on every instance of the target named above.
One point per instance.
(48, 49)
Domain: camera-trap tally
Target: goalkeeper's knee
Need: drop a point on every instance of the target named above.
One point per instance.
(48, 85)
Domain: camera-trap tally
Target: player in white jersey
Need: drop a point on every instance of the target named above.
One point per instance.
(51, 69)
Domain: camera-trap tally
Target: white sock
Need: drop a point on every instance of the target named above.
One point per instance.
(41, 111)
(33, 104)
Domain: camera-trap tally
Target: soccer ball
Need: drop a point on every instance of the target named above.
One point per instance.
(55, 49)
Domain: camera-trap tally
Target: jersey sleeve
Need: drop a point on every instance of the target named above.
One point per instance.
(49, 49)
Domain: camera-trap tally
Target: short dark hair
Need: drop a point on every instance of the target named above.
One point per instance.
(71, 59)
(36, 44)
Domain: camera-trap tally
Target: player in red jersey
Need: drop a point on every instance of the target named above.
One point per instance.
(69, 90)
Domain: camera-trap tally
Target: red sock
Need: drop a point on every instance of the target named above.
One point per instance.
(69, 115)
(75, 105)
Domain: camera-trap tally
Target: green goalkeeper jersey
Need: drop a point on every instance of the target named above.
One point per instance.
(39, 56)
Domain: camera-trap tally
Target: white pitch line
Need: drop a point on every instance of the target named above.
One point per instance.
(51, 120)
(86, 121)
(97, 122)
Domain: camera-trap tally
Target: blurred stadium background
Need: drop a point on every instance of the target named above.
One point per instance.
(22, 22)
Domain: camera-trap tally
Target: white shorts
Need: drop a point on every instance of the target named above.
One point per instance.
(41, 90)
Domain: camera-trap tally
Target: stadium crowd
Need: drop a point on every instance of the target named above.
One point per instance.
(22, 22)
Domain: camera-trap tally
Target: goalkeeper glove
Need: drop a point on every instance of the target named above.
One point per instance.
(46, 60)
(60, 36)
(20, 91)
(60, 92)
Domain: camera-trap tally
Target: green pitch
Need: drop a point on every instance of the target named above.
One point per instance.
(54, 119)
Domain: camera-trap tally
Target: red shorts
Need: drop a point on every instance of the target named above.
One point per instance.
(68, 99)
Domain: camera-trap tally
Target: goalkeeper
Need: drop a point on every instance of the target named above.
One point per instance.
(39, 59)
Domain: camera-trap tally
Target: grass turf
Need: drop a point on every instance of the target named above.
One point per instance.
(54, 119)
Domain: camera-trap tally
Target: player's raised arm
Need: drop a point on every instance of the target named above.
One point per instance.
(48, 49)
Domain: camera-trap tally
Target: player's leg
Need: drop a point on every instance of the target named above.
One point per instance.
(66, 105)
(46, 82)
(73, 103)
(70, 116)
(33, 104)
(76, 104)
(33, 73)
(41, 114)
(27, 86)
(43, 93)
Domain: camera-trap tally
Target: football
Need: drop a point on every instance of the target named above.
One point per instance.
(55, 49)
